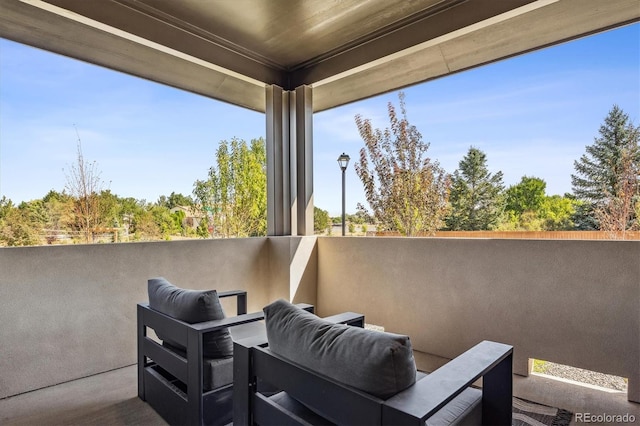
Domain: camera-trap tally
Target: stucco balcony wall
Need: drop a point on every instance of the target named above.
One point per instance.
(70, 311)
(571, 302)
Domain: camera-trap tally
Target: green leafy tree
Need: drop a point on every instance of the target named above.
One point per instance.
(5, 207)
(60, 214)
(406, 191)
(110, 210)
(179, 217)
(352, 228)
(166, 222)
(607, 175)
(145, 225)
(523, 205)
(19, 226)
(528, 208)
(528, 195)
(476, 197)
(175, 200)
(129, 209)
(557, 213)
(235, 194)
(320, 220)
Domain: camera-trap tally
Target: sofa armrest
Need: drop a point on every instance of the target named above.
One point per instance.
(149, 317)
(490, 360)
(241, 299)
(207, 326)
(349, 318)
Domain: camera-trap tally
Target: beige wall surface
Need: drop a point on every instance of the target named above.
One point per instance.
(70, 311)
(571, 302)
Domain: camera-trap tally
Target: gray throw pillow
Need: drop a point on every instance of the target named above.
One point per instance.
(378, 363)
(191, 306)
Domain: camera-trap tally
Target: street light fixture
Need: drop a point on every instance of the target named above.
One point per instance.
(343, 162)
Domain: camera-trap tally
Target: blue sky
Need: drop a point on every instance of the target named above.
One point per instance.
(532, 115)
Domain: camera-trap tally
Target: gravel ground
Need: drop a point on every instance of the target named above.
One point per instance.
(585, 376)
(567, 372)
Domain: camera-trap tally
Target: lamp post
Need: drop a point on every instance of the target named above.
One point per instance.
(343, 162)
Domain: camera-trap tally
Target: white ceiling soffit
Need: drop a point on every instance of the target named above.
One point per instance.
(347, 50)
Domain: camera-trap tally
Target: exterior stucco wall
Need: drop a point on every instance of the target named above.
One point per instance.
(571, 302)
(70, 311)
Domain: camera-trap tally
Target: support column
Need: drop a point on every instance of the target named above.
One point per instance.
(278, 161)
(289, 116)
(304, 157)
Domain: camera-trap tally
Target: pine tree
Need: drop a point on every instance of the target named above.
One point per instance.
(476, 195)
(607, 175)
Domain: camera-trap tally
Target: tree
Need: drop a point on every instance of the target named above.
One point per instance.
(557, 213)
(175, 200)
(19, 226)
(528, 208)
(476, 195)
(607, 175)
(145, 226)
(320, 220)
(523, 205)
(526, 196)
(235, 194)
(84, 185)
(406, 191)
(616, 214)
(60, 217)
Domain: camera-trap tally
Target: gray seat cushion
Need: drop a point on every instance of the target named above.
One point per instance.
(249, 329)
(378, 363)
(191, 306)
(464, 410)
(216, 372)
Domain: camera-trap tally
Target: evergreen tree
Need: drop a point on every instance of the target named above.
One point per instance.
(476, 195)
(606, 175)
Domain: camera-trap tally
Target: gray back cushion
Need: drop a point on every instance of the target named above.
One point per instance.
(380, 364)
(191, 306)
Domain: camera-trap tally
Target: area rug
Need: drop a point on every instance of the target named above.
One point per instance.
(527, 413)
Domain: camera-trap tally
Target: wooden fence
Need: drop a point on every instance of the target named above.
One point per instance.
(530, 235)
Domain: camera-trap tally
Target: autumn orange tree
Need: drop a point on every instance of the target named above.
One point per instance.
(406, 190)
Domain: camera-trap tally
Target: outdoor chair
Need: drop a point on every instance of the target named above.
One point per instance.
(321, 374)
(188, 377)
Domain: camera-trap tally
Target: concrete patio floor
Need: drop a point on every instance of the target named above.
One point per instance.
(111, 399)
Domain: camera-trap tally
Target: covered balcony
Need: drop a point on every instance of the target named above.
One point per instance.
(70, 320)
(68, 340)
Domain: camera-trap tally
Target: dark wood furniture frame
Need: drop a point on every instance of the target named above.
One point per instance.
(254, 362)
(172, 384)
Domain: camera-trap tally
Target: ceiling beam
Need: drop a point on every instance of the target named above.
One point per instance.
(153, 28)
(444, 18)
(24, 23)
